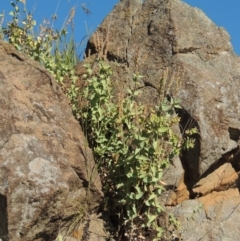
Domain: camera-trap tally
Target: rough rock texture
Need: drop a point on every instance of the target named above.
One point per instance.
(224, 176)
(169, 39)
(211, 218)
(46, 166)
(93, 229)
(152, 36)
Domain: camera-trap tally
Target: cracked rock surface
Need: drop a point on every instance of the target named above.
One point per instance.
(44, 159)
(203, 72)
(168, 39)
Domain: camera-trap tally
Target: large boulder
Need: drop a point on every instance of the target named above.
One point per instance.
(182, 53)
(47, 172)
(162, 38)
(154, 36)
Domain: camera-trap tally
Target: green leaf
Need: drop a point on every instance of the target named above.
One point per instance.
(166, 107)
(143, 158)
(147, 203)
(119, 185)
(132, 196)
(152, 196)
(163, 129)
(155, 144)
(177, 106)
(129, 91)
(16, 8)
(151, 218)
(139, 193)
(134, 210)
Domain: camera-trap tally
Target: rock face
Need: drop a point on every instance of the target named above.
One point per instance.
(153, 36)
(169, 40)
(211, 218)
(47, 171)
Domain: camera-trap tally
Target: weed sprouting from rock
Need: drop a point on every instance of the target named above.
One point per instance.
(131, 148)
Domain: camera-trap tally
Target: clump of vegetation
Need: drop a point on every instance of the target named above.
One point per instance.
(132, 146)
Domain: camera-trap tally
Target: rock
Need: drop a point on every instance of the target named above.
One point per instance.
(212, 201)
(94, 228)
(163, 38)
(224, 176)
(97, 229)
(180, 194)
(214, 217)
(174, 179)
(47, 171)
(191, 215)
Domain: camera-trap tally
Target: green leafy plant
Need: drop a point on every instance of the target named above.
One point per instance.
(132, 147)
